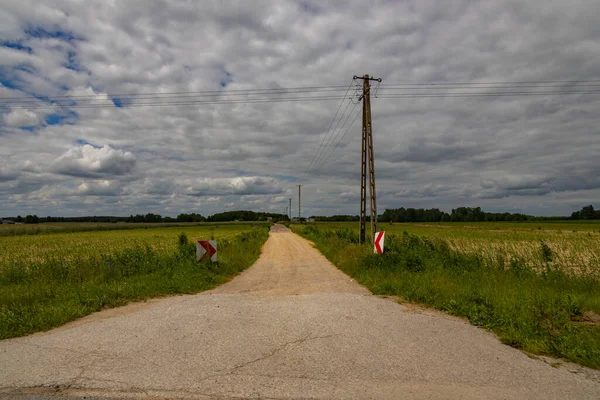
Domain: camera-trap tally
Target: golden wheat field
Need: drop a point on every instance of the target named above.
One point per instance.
(575, 245)
(35, 248)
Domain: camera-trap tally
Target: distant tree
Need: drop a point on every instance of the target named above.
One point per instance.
(336, 218)
(152, 218)
(32, 219)
(588, 212)
(193, 217)
(245, 216)
(19, 219)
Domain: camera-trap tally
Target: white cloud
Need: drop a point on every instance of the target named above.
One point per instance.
(440, 152)
(240, 186)
(21, 117)
(98, 188)
(89, 161)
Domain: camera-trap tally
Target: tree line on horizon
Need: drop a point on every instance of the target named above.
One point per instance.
(460, 214)
(228, 216)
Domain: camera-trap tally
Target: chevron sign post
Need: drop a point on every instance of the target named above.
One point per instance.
(378, 244)
(206, 249)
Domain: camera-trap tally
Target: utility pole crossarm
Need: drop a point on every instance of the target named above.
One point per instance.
(367, 77)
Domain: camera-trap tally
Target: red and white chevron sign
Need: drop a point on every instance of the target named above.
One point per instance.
(379, 240)
(206, 249)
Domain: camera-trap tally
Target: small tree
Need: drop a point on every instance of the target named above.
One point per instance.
(32, 219)
(588, 212)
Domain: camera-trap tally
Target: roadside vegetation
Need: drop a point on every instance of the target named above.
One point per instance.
(574, 244)
(535, 304)
(51, 279)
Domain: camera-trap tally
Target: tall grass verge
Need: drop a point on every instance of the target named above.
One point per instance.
(42, 295)
(542, 312)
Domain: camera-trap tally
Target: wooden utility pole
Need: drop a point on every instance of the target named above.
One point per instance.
(367, 162)
(290, 215)
(299, 205)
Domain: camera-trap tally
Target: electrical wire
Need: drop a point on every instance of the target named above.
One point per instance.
(332, 133)
(185, 96)
(180, 103)
(492, 83)
(323, 160)
(330, 125)
(239, 91)
(484, 94)
(337, 144)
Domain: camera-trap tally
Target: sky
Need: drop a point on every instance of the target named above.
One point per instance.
(532, 154)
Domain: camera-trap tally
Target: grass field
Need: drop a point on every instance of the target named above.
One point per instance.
(52, 278)
(538, 289)
(66, 227)
(574, 244)
(26, 249)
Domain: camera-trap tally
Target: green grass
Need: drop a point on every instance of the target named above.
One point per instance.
(67, 227)
(59, 287)
(531, 309)
(27, 249)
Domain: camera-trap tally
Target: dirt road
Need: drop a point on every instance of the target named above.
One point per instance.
(288, 266)
(292, 326)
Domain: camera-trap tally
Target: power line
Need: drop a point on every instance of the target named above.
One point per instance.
(322, 159)
(484, 94)
(492, 83)
(330, 125)
(460, 87)
(319, 158)
(189, 96)
(389, 91)
(302, 89)
(180, 103)
(337, 144)
(327, 153)
(119, 95)
(332, 134)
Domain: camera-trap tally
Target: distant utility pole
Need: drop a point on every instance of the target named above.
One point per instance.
(368, 160)
(290, 209)
(299, 205)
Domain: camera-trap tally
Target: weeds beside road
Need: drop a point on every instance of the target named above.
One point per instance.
(55, 289)
(542, 312)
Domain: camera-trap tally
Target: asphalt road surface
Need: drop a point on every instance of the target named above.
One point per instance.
(292, 326)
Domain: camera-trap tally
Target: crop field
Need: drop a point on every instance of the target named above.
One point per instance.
(65, 227)
(26, 248)
(48, 279)
(574, 245)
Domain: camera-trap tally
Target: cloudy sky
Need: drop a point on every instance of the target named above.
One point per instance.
(521, 153)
